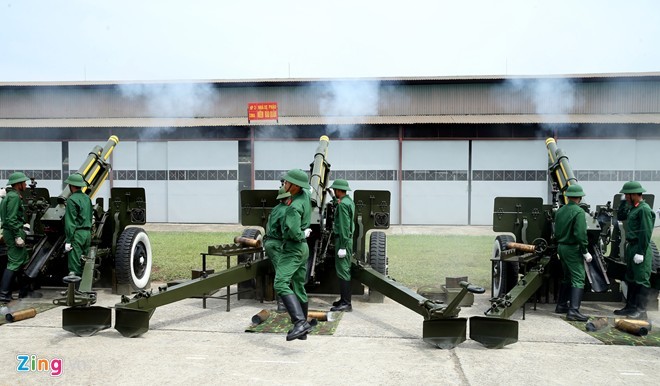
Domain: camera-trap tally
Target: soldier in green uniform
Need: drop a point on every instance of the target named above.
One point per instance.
(77, 223)
(273, 236)
(571, 235)
(291, 267)
(342, 230)
(13, 220)
(638, 254)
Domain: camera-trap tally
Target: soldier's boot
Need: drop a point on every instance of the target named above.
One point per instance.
(631, 306)
(641, 300)
(300, 325)
(5, 286)
(345, 301)
(313, 322)
(562, 301)
(25, 288)
(280, 305)
(574, 309)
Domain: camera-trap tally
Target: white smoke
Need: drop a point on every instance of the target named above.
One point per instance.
(171, 100)
(349, 99)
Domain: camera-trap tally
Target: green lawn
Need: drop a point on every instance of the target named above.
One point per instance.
(414, 260)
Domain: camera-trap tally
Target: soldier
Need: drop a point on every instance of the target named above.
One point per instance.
(273, 236)
(638, 255)
(571, 235)
(77, 223)
(13, 232)
(342, 229)
(291, 267)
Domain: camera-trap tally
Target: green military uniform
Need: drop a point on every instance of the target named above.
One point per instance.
(571, 234)
(292, 264)
(273, 237)
(639, 229)
(78, 224)
(13, 218)
(343, 229)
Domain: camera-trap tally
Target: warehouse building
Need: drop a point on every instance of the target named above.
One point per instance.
(444, 147)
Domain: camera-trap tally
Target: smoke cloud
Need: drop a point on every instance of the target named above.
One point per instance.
(349, 99)
(171, 100)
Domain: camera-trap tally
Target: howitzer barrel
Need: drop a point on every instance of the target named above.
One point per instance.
(559, 167)
(320, 169)
(95, 169)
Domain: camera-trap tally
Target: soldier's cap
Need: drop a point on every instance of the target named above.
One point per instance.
(16, 178)
(574, 190)
(632, 187)
(340, 184)
(76, 179)
(282, 193)
(297, 177)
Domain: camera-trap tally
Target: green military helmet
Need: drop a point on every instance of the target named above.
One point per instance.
(76, 180)
(297, 177)
(632, 187)
(17, 177)
(282, 194)
(574, 190)
(340, 184)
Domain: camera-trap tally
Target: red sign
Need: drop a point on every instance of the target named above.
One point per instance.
(262, 111)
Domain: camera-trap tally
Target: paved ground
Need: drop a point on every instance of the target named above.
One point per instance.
(378, 343)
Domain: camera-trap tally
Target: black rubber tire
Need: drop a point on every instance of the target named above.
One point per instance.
(504, 274)
(655, 263)
(133, 258)
(378, 252)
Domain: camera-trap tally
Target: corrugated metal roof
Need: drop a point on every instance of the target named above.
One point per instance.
(364, 120)
(276, 81)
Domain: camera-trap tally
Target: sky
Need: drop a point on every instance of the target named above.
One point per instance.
(155, 40)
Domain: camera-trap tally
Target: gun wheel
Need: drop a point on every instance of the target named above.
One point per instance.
(504, 274)
(378, 252)
(133, 258)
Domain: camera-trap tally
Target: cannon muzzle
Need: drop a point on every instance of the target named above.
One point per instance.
(95, 169)
(320, 170)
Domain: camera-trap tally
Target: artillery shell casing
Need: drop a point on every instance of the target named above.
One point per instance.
(248, 242)
(596, 324)
(642, 323)
(521, 247)
(20, 315)
(260, 317)
(321, 316)
(631, 328)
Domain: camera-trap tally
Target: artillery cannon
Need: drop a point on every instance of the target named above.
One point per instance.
(441, 327)
(120, 255)
(520, 270)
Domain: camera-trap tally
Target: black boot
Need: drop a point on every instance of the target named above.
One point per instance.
(280, 305)
(562, 301)
(345, 300)
(641, 299)
(25, 288)
(574, 308)
(5, 286)
(630, 300)
(300, 325)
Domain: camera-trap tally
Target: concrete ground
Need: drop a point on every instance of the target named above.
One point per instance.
(377, 343)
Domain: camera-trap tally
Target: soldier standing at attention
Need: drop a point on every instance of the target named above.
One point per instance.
(273, 237)
(77, 223)
(13, 220)
(342, 229)
(571, 234)
(291, 267)
(638, 254)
